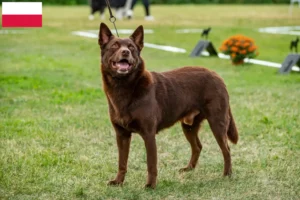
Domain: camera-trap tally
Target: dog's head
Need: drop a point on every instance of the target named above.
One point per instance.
(120, 57)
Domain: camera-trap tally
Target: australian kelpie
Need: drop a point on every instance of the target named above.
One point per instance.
(146, 102)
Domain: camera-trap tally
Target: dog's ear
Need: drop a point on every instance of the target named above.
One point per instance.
(138, 37)
(105, 35)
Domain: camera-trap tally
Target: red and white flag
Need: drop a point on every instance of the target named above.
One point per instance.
(22, 14)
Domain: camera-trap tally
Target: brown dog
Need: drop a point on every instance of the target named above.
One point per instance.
(147, 102)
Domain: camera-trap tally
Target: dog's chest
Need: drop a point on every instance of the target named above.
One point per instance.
(123, 116)
(126, 121)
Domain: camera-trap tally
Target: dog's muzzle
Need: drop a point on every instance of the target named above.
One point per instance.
(122, 66)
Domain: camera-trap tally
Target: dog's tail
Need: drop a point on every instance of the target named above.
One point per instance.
(232, 132)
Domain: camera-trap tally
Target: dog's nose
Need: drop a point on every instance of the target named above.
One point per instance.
(125, 52)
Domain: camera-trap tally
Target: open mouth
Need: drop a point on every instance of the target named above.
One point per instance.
(122, 66)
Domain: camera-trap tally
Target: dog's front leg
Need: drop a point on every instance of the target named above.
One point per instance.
(123, 142)
(150, 144)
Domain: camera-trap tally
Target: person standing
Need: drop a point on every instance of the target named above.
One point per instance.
(146, 4)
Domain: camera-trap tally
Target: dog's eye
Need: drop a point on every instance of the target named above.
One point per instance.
(115, 46)
(131, 48)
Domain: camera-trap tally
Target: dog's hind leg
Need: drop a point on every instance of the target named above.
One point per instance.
(190, 131)
(219, 123)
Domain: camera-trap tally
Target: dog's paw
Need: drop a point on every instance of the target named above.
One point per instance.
(227, 173)
(186, 169)
(150, 186)
(115, 183)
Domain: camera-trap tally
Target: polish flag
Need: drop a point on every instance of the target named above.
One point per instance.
(22, 14)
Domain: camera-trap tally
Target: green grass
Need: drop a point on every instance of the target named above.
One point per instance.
(56, 140)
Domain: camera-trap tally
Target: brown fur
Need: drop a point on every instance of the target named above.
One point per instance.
(146, 102)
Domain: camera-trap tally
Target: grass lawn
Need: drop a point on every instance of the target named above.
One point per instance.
(56, 140)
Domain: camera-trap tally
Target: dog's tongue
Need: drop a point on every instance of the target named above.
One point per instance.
(122, 65)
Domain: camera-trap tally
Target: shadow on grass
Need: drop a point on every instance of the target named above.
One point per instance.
(175, 189)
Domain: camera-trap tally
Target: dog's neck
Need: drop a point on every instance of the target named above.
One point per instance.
(122, 90)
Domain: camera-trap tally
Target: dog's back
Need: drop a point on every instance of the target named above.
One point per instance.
(183, 90)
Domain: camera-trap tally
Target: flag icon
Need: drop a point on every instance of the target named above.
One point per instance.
(22, 14)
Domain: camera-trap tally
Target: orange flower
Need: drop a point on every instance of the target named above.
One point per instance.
(226, 42)
(234, 49)
(223, 48)
(246, 44)
(239, 37)
(249, 40)
(244, 52)
(239, 47)
(252, 48)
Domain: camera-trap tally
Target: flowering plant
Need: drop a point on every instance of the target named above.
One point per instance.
(239, 47)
